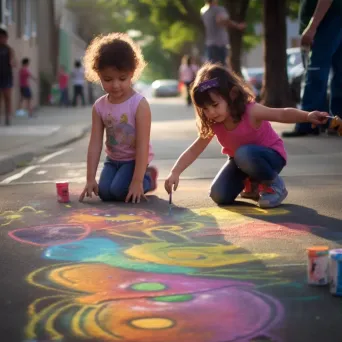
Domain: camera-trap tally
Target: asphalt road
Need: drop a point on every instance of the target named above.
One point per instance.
(193, 273)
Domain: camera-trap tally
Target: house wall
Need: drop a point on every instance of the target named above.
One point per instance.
(72, 47)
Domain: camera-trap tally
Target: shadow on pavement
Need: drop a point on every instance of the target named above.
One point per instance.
(95, 271)
(105, 271)
(296, 218)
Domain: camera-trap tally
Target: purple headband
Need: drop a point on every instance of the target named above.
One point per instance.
(213, 83)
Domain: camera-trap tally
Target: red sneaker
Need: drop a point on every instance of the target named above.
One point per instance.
(251, 190)
(152, 172)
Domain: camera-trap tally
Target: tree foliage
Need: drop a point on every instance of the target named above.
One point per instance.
(170, 28)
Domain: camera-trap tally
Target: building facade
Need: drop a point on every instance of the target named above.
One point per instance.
(19, 18)
(50, 23)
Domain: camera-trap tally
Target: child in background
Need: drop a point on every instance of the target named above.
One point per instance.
(226, 108)
(114, 60)
(25, 89)
(187, 73)
(63, 80)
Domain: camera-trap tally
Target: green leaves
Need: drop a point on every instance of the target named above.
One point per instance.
(177, 36)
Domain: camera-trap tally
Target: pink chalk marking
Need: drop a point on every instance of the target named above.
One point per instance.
(51, 232)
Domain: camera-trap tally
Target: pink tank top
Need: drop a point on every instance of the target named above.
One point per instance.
(246, 134)
(119, 122)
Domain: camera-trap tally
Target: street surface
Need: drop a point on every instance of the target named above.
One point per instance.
(194, 273)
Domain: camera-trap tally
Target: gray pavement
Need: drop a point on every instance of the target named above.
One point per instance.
(195, 273)
(52, 128)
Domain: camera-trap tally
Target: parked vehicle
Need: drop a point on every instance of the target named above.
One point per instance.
(247, 78)
(254, 76)
(296, 73)
(165, 88)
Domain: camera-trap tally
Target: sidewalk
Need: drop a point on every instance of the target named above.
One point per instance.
(29, 137)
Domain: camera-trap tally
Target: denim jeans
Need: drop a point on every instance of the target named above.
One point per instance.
(64, 98)
(259, 163)
(326, 54)
(217, 54)
(115, 179)
(78, 92)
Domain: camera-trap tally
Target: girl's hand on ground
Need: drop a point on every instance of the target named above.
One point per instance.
(135, 192)
(172, 180)
(91, 187)
(318, 118)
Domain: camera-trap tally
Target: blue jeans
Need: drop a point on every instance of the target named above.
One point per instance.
(256, 162)
(217, 54)
(326, 54)
(115, 179)
(64, 97)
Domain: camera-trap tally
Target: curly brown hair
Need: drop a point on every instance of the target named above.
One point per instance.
(114, 50)
(228, 80)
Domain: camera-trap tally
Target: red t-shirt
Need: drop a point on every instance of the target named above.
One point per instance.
(24, 75)
(63, 80)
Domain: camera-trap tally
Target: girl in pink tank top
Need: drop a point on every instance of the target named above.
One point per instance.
(226, 108)
(114, 60)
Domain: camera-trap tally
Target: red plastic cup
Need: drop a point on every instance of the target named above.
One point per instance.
(63, 192)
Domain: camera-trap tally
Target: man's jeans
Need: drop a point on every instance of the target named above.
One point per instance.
(115, 179)
(256, 162)
(217, 54)
(64, 97)
(326, 54)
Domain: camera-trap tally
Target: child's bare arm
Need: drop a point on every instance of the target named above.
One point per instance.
(190, 155)
(285, 115)
(143, 131)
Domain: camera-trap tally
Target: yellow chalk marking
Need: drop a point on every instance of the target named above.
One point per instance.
(152, 323)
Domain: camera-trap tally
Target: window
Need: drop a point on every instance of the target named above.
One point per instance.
(6, 12)
(28, 18)
(34, 10)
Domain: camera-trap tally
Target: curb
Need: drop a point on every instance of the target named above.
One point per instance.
(10, 163)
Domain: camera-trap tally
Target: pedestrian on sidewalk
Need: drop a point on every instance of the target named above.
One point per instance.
(25, 75)
(227, 108)
(78, 82)
(63, 82)
(7, 63)
(187, 73)
(114, 60)
(216, 21)
(321, 30)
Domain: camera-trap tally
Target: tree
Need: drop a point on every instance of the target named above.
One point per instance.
(276, 90)
(237, 11)
(175, 26)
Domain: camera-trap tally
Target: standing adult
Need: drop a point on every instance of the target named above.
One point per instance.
(321, 31)
(78, 82)
(7, 63)
(216, 21)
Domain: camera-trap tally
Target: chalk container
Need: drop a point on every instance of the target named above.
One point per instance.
(63, 192)
(335, 272)
(318, 264)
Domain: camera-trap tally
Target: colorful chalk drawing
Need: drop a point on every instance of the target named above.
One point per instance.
(121, 305)
(10, 216)
(50, 235)
(129, 274)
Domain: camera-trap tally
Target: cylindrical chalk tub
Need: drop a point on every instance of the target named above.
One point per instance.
(318, 264)
(62, 192)
(335, 271)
